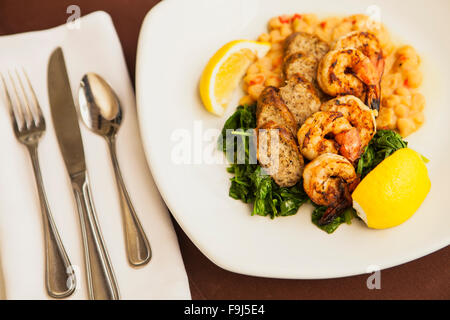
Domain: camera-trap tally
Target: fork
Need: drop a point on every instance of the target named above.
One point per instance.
(29, 127)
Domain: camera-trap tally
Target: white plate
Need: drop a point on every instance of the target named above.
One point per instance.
(176, 41)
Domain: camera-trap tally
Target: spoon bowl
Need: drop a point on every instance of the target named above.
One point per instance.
(100, 107)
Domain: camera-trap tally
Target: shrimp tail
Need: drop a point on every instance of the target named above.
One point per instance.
(373, 97)
(345, 202)
(379, 62)
(333, 212)
(374, 94)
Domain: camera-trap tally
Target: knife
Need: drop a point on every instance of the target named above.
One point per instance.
(101, 281)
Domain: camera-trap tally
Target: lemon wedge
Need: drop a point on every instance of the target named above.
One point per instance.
(392, 192)
(224, 71)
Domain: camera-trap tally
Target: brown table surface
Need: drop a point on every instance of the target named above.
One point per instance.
(425, 278)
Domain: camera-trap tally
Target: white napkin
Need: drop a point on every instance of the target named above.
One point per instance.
(94, 47)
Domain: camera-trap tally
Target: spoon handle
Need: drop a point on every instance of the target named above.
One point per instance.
(138, 247)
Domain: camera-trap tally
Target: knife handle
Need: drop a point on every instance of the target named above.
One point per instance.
(102, 284)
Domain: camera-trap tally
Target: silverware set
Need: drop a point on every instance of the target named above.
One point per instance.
(101, 112)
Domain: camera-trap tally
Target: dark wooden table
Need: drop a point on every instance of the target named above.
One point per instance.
(425, 278)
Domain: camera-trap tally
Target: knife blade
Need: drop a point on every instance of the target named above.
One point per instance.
(64, 114)
(101, 281)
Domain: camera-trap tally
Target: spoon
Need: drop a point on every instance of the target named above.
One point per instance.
(102, 113)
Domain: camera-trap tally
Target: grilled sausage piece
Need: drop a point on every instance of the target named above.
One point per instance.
(280, 156)
(303, 52)
(300, 64)
(308, 44)
(301, 98)
(271, 107)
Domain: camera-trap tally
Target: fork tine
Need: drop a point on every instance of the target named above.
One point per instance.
(26, 103)
(10, 105)
(20, 117)
(33, 95)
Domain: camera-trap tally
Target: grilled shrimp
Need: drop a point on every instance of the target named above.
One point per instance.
(357, 113)
(329, 181)
(369, 45)
(329, 132)
(349, 71)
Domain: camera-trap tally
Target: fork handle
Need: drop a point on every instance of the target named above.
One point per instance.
(102, 284)
(59, 275)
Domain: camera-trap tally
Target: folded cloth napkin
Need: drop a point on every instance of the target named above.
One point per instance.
(93, 47)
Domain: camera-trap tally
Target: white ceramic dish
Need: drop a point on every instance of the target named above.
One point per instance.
(176, 41)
